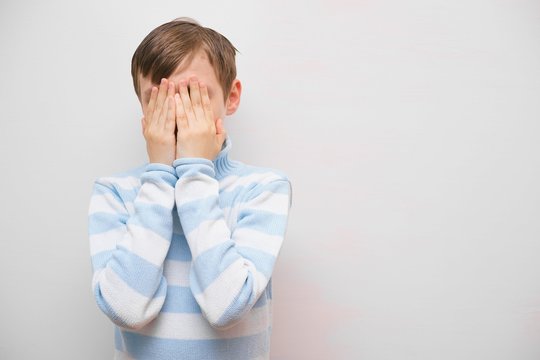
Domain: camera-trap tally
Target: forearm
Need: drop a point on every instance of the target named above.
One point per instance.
(128, 255)
(226, 279)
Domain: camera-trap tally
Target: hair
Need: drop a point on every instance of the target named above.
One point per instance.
(165, 47)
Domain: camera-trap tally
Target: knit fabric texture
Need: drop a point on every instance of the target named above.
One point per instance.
(183, 255)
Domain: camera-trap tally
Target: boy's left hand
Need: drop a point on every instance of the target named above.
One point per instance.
(198, 134)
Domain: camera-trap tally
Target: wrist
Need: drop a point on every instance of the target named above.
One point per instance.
(159, 172)
(160, 160)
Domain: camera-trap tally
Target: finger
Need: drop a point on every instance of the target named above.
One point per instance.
(186, 102)
(196, 99)
(171, 89)
(206, 105)
(181, 117)
(143, 124)
(162, 94)
(168, 102)
(170, 121)
(152, 103)
(165, 112)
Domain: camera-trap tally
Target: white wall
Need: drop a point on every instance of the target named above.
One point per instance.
(408, 128)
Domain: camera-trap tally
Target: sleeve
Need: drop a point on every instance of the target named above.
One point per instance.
(229, 271)
(128, 248)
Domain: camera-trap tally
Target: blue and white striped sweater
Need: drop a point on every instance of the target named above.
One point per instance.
(183, 257)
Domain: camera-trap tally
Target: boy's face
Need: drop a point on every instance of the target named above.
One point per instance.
(201, 68)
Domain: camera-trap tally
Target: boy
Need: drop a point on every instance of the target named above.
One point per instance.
(183, 247)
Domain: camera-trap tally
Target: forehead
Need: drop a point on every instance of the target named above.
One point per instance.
(199, 66)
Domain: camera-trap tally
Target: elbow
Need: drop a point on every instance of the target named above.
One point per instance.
(132, 321)
(136, 325)
(129, 322)
(223, 317)
(128, 313)
(223, 322)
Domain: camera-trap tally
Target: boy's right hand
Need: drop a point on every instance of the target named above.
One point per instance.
(159, 123)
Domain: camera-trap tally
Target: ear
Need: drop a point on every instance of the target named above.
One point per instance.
(233, 100)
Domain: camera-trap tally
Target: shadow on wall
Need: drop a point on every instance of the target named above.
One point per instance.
(304, 322)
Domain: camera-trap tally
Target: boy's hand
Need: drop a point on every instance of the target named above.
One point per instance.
(198, 134)
(158, 124)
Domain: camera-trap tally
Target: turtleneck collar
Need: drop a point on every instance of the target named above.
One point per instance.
(222, 163)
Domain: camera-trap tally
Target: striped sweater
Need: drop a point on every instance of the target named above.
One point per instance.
(183, 255)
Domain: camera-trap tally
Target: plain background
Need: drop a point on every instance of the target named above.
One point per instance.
(409, 129)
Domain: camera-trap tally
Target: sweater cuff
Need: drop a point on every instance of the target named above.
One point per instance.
(192, 165)
(160, 171)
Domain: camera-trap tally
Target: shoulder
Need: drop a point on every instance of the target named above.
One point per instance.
(250, 181)
(249, 176)
(121, 182)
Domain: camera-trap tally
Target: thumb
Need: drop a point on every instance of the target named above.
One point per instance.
(143, 124)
